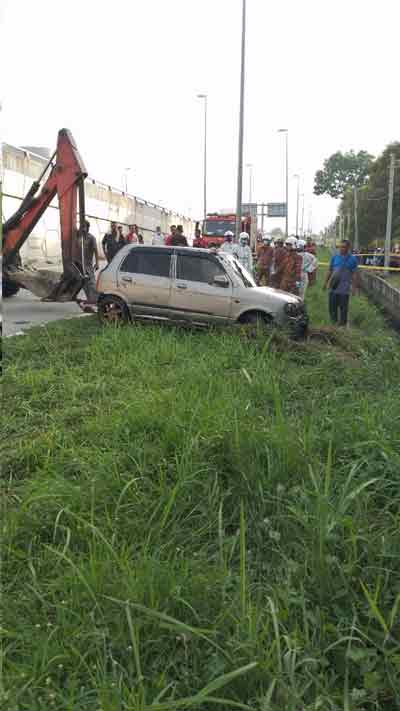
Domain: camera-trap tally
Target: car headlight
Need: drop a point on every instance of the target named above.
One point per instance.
(293, 309)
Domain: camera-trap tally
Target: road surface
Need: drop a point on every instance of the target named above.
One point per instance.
(24, 310)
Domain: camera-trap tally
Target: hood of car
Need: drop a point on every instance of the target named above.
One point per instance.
(278, 294)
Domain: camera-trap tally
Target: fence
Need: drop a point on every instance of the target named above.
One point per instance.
(382, 293)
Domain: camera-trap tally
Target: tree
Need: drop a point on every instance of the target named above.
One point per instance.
(372, 203)
(341, 171)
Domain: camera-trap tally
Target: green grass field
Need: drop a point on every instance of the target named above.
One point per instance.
(199, 520)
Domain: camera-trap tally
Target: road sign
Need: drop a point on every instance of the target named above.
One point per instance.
(276, 209)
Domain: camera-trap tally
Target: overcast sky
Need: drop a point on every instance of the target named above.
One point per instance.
(123, 76)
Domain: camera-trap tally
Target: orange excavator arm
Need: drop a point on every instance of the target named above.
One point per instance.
(66, 181)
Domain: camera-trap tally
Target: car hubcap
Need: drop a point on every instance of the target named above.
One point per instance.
(112, 313)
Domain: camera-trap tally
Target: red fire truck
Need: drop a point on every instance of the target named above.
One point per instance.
(217, 223)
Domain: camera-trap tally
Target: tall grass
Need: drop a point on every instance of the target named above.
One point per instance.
(194, 520)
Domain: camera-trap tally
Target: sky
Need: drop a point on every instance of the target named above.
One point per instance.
(124, 77)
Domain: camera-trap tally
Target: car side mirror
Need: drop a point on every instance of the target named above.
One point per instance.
(221, 281)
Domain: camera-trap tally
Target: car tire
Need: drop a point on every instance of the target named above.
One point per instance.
(256, 323)
(9, 288)
(113, 311)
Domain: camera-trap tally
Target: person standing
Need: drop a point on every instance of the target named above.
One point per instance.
(308, 267)
(277, 263)
(121, 238)
(109, 243)
(311, 248)
(265, 255)
(342, 278)
(90, 255)
(198, 241)
(158, 239)
(171, 235)
(243, 250)
(291, 268)
(179, 239)
(131, 237)
(227, 245)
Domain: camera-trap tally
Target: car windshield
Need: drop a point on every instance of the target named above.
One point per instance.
(244, 276)
(219, 227)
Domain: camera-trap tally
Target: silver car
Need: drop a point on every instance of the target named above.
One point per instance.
(191, 285)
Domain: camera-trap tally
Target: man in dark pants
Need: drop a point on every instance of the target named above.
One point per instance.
(341, 279)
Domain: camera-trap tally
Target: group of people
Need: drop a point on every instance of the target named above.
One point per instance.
(115, 239)
(288, 264)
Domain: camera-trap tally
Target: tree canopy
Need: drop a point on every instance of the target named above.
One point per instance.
(341, 171)
(373, 201)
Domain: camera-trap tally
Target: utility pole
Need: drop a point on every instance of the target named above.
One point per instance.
(204, 97)
(302, 215)
(297, 204)
(241, 128)
(388, 239)
(250, 167)
(286, 131)
(356, 240)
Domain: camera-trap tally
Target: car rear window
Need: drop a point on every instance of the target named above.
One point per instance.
(142, 261)
(196, 268)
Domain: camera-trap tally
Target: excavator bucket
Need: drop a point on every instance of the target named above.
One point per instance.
(49, 285)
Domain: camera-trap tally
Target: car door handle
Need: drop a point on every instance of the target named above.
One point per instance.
(181, 286)
(127, 280)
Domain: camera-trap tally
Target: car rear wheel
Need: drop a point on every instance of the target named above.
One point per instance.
(113, 311)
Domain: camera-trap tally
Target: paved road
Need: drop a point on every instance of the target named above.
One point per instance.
(24, 310)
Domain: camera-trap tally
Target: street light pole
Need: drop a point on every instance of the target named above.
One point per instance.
(297, 204)
(302, 215)
(356, 240)
(286, 131)
(204, 96)
(250, 167)
(388, 239)
(241, 128)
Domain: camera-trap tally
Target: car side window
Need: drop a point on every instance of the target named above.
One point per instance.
(196, 268)
(143, 261)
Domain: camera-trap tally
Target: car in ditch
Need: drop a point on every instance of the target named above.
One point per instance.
(195, 286)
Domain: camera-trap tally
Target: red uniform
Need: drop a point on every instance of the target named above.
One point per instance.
(292, 268)
(279, 257)
(200, 242)
(265, 256)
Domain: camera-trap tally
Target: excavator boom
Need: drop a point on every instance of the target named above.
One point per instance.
(66, 181)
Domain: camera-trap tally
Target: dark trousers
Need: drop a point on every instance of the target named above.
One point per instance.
(339, 304)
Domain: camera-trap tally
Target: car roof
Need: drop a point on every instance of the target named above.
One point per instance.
(175, 248)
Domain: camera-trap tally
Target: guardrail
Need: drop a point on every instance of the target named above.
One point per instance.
(383, 293)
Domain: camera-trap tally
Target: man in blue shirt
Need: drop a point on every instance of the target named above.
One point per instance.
(341, 279)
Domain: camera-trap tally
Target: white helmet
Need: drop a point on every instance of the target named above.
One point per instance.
(301, 243)
(228, 233)
(244, 237)
(291, 242)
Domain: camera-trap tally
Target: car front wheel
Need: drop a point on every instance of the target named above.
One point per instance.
(113, 311)
(256, 323)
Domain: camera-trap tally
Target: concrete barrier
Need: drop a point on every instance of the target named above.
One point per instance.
(382, 293)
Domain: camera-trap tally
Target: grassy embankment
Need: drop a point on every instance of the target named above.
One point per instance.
(192, 517)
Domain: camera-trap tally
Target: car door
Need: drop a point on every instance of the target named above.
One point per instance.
(144, 279)
(194, 294)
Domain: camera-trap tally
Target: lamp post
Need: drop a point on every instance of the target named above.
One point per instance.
(286, 131)
(125, 180)
(241, 127)
(204, 97)
(297, 203)
(250, 167)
